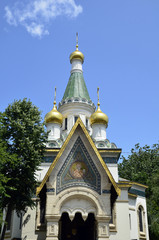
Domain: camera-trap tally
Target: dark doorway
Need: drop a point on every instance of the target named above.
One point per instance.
(77, 229)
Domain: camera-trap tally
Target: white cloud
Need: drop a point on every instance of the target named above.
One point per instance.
(36, 29)
(36, 15)
(10, 18)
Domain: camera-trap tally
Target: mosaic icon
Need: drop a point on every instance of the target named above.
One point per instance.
(78, 170)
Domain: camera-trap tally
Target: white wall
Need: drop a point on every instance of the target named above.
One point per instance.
(113, 168)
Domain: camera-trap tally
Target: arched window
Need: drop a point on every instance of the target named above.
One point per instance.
(140, 215)
(141, 222)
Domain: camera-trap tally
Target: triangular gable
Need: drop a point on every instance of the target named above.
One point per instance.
(78, 169)
(78, 122)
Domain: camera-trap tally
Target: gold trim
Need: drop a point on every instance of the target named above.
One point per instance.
(52, 150)
(124, 185)
(78, 122)
(139, 184)
(135, 183)
(132, 195)
(107, 150)
(122, 201)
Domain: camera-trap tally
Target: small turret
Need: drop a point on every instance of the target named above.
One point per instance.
(99, 123)
(53, 120)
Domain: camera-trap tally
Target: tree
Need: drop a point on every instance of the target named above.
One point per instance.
(6, 159)
(143, 166)
(23, 146)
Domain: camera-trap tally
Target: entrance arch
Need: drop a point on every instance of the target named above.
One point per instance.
(77, 229)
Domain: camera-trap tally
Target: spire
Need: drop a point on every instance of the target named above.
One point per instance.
(76, 87)
(98, 104)
(76, 40)
(55, 98)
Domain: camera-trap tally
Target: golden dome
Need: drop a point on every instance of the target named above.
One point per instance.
(77, 55)
(99, 117)
(54, 116)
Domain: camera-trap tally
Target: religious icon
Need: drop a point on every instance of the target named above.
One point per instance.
(78, 169)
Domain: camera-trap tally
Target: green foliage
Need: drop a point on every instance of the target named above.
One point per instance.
(21, 152)
(143, 166)
(6, 159)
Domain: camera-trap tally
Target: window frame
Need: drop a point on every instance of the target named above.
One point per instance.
(141, 219)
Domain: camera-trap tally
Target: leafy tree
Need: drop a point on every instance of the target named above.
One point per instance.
(143, 166)
(6, 159)
(23, 134)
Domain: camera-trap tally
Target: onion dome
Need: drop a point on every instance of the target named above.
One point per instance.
(99, 117)
(54, 116)
(77, 54)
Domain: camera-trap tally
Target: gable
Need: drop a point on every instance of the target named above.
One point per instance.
(78, 170)
(86, 162)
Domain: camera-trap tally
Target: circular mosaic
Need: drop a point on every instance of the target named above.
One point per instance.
(78, 170)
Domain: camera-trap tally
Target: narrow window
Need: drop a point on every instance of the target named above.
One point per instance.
(65, 123)
(130, 220)
(140, 212)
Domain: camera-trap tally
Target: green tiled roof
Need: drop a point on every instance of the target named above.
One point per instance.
(76, 87)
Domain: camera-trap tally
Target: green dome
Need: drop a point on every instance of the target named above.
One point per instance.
(76, 87)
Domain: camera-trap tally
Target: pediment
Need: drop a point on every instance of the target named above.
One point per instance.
(74, 164)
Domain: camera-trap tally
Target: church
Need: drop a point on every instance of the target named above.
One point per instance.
(80, 195)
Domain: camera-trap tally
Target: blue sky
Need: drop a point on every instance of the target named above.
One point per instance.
(120, 42)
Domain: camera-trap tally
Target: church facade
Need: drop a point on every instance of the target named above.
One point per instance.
(80, 194)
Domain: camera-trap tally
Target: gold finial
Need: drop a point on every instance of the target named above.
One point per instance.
(77, 54)
(76, 40)
(98, 96)
(55, 97)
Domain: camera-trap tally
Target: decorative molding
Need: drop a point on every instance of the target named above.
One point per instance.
(136, 192)
(132, 209)
(110, 159)
(124, 185)
(108, 150)
(133, 183)
(122, 201)
(132, 195)
(52, 150)
(102, 230)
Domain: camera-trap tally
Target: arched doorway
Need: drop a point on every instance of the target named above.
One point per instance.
(77, 229)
